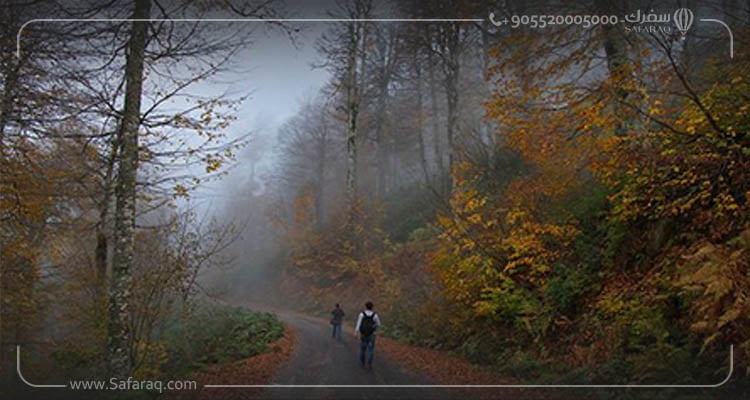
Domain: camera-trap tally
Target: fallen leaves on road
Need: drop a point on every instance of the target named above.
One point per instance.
(446, 369)
(256, 370)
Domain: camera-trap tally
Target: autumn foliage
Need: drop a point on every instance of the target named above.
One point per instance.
(630, 222)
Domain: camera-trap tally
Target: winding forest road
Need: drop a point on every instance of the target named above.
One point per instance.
(318, 359)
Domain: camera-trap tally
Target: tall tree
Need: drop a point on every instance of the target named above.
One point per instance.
(616, 49)
(28, 187)
(309, 147)
(386, 61)
(119, 329)
(448, 47)
(419, 120)
(345, 49)
(445, 44)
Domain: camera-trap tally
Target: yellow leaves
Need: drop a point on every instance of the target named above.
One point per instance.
(152, 358)
(213, 163)
(206, 117)
(493, 244)
(515, 215)
(27, 183)
(180, 191)
(700, 326)
(444, 221)
(468, 245)
(695, 179)
(732, 315)
(484, 307)
(655, 111)
(535, 247)
(475, 203)
(179, 120)
(719, 275)
(553, 125)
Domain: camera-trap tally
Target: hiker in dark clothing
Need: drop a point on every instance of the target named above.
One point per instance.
(338, 316)
(367, 323)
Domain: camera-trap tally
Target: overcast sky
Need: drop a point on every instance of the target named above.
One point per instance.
(279, 75)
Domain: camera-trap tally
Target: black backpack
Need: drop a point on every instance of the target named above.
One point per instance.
(367, 326)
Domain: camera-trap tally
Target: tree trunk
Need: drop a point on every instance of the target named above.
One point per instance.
(102, 239)
(451, 93)
(119, 332)
(380, 140)
(437, 137)
(355, 75)
(384, 145)
(351, 123)
(615, 48)
(451, 64)
(6, 107)
(10, 82)
(419, 124)
(321, 172)
(487, 129)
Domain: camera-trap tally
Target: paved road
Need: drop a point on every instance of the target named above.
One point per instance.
(319, 360)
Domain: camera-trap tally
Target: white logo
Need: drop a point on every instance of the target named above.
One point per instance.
(683, 18)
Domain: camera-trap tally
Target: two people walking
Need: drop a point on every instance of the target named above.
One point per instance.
(367, 324)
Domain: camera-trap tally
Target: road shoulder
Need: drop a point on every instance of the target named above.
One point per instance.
(257, 370)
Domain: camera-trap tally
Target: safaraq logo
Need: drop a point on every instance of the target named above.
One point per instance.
(683, 19)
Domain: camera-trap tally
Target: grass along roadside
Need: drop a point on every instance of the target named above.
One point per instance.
(255, 370)
(217, 334)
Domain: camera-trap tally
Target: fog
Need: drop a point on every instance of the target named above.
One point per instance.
(283, 74)
(279, 74)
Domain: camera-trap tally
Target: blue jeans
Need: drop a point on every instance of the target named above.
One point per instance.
(337, 331)
(367, 347)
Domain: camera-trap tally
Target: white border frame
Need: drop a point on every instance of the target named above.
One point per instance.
(655, 386)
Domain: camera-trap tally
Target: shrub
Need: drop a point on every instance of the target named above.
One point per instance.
(218, 334)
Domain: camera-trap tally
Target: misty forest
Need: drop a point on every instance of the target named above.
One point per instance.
(523, 205)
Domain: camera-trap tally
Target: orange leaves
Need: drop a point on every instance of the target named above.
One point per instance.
(440, 366)
(304, 209)
(718, 276)
(688, 160)
(25, 203)
(259, 370)
(692, 176)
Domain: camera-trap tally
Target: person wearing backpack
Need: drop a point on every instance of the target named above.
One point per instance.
(338, 316)
(367, 323)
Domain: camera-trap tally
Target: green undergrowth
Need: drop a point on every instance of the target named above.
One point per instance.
(217, 334)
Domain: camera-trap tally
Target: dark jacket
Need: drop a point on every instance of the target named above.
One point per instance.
(338, 315)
